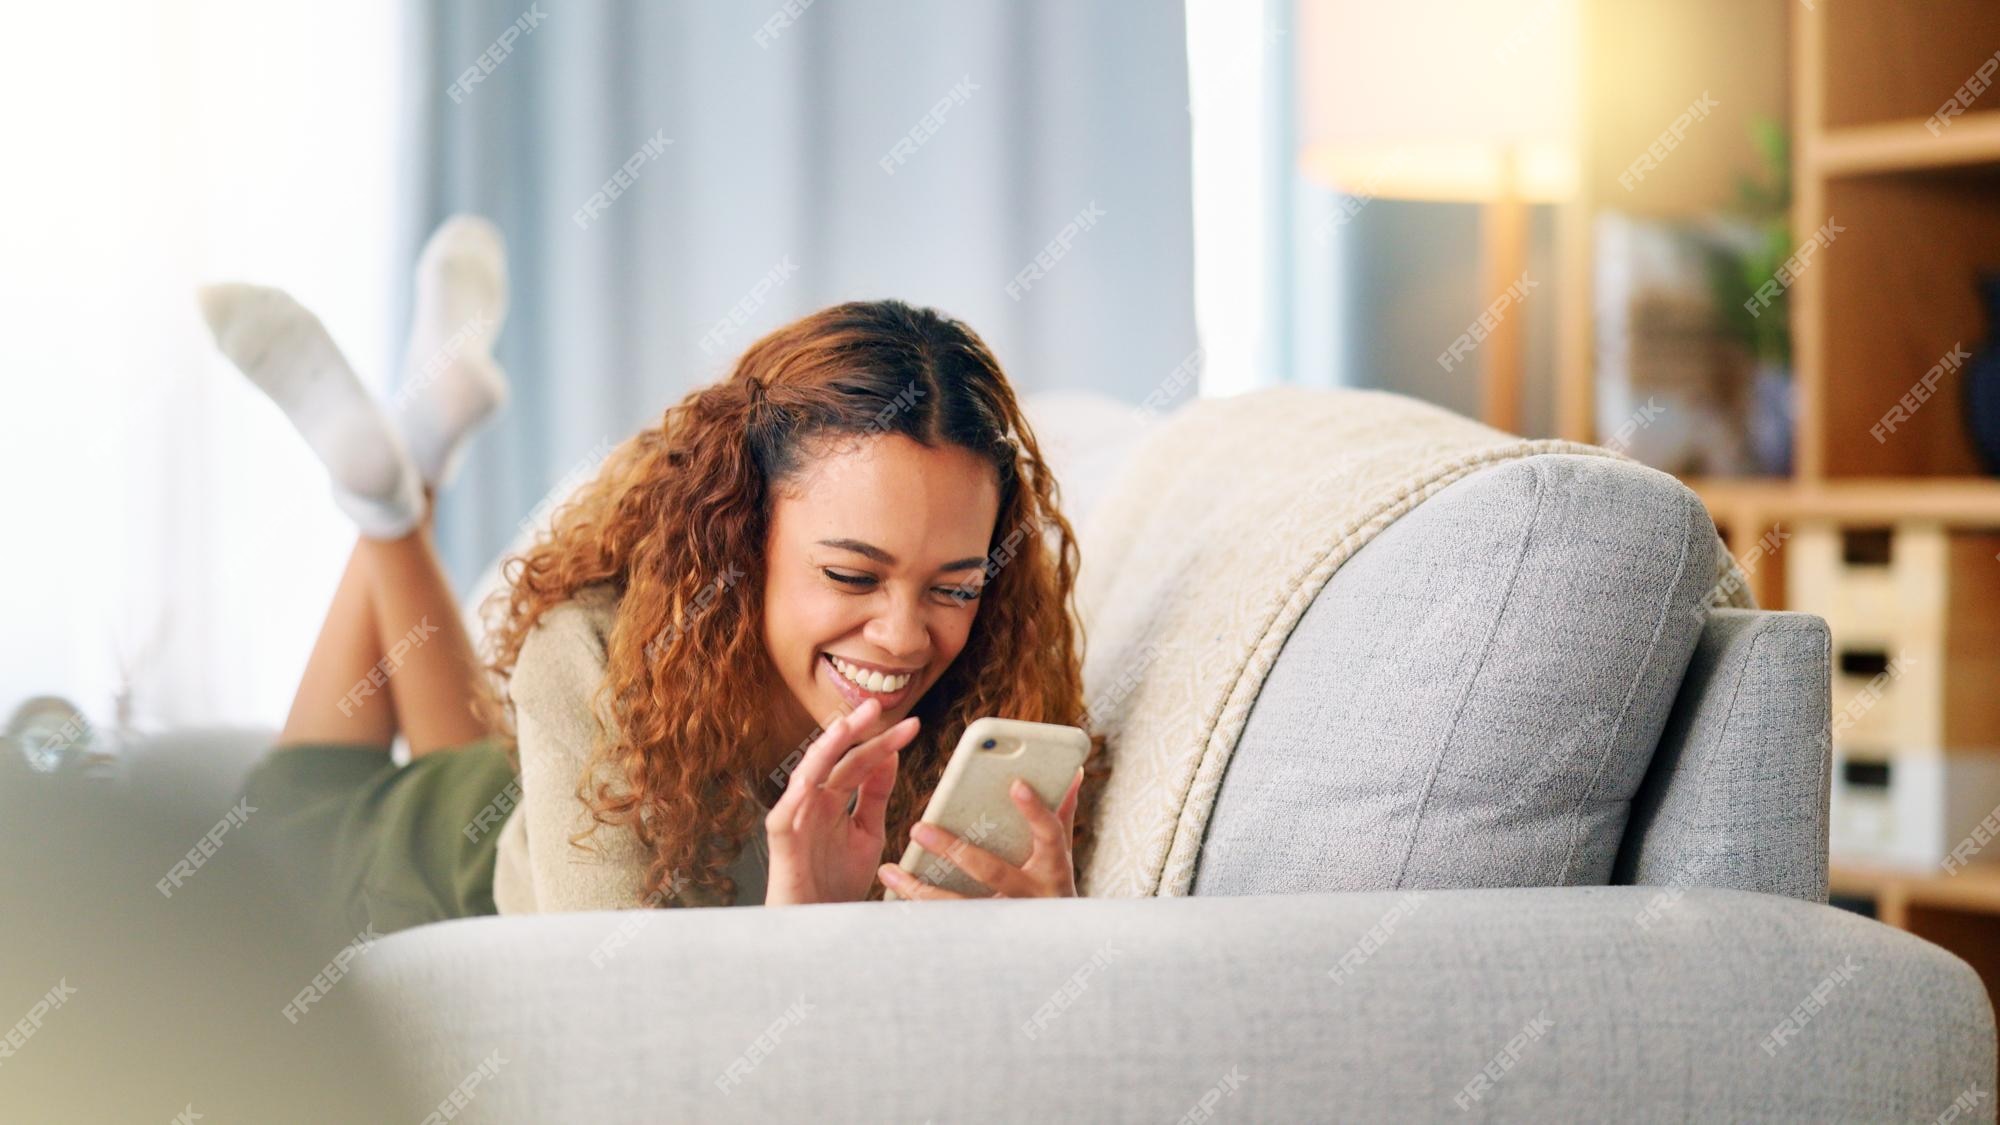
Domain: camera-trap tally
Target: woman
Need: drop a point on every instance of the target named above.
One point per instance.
(855, 527)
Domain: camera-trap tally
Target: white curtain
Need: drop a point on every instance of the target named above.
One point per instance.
(168, 534)
(788, 156)
(1271, 251)
(818, 152)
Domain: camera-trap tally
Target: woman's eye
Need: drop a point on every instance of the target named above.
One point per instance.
(960, 595)
(848, 579)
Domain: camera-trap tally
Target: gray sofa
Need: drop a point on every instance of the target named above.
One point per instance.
(1517, 830)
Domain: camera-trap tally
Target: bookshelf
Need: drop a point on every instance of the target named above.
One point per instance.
(1858, 81)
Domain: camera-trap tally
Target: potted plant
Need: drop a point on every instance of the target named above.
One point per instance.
(1756, 245)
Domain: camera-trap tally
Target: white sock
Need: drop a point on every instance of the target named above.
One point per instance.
(451, 385)
(285, 350)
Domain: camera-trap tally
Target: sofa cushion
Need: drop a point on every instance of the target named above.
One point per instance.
(1737, 793)
(1473, 699)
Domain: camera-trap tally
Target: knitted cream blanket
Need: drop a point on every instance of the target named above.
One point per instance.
(1208, 547)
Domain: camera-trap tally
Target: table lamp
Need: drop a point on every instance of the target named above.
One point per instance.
(1471, 101)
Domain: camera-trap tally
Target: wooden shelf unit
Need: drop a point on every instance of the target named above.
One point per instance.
(1975, 889)
(1872, 312)
(1895, 291)
(1972, 502)
(1907, 146)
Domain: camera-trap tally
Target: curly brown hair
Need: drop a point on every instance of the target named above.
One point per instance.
(688, 678)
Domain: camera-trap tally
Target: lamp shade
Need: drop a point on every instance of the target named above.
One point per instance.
(1467, 100)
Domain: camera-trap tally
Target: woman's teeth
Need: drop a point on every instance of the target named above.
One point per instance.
(868, 679)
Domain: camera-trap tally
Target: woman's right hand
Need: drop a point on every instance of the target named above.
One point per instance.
(819, 852)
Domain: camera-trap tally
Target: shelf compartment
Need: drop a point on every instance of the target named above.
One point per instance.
(1886, 60)
(1889, 298)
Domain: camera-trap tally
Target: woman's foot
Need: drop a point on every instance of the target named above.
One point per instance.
(285, 350)
(451, 385)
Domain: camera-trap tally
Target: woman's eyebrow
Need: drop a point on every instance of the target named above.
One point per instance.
(871, 551)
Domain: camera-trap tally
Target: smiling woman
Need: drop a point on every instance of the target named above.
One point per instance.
(869, 476)
(881, 613)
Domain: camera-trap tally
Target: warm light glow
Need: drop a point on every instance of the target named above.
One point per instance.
(1440, 99)
(166, 519)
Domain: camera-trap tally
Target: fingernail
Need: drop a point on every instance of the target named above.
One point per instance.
(1020, 788)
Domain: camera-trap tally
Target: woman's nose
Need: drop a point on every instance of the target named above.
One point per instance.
(898, 631)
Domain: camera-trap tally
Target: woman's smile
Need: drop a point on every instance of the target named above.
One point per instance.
(855, 681)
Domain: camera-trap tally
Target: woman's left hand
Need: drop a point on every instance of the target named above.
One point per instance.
(1048, 872)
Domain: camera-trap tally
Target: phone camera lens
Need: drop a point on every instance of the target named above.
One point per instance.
(989, 744)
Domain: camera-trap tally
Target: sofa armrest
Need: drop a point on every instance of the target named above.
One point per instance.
(1736, 795)
(1550, 1003)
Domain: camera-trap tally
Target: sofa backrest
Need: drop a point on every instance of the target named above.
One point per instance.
(1474, 698)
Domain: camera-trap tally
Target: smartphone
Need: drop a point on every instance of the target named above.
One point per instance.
(972, 801)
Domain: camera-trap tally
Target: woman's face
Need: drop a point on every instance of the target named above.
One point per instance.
(873, 548)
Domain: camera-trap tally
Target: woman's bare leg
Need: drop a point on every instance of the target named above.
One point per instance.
(392, 655)
(432, 671)
(328, 706)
